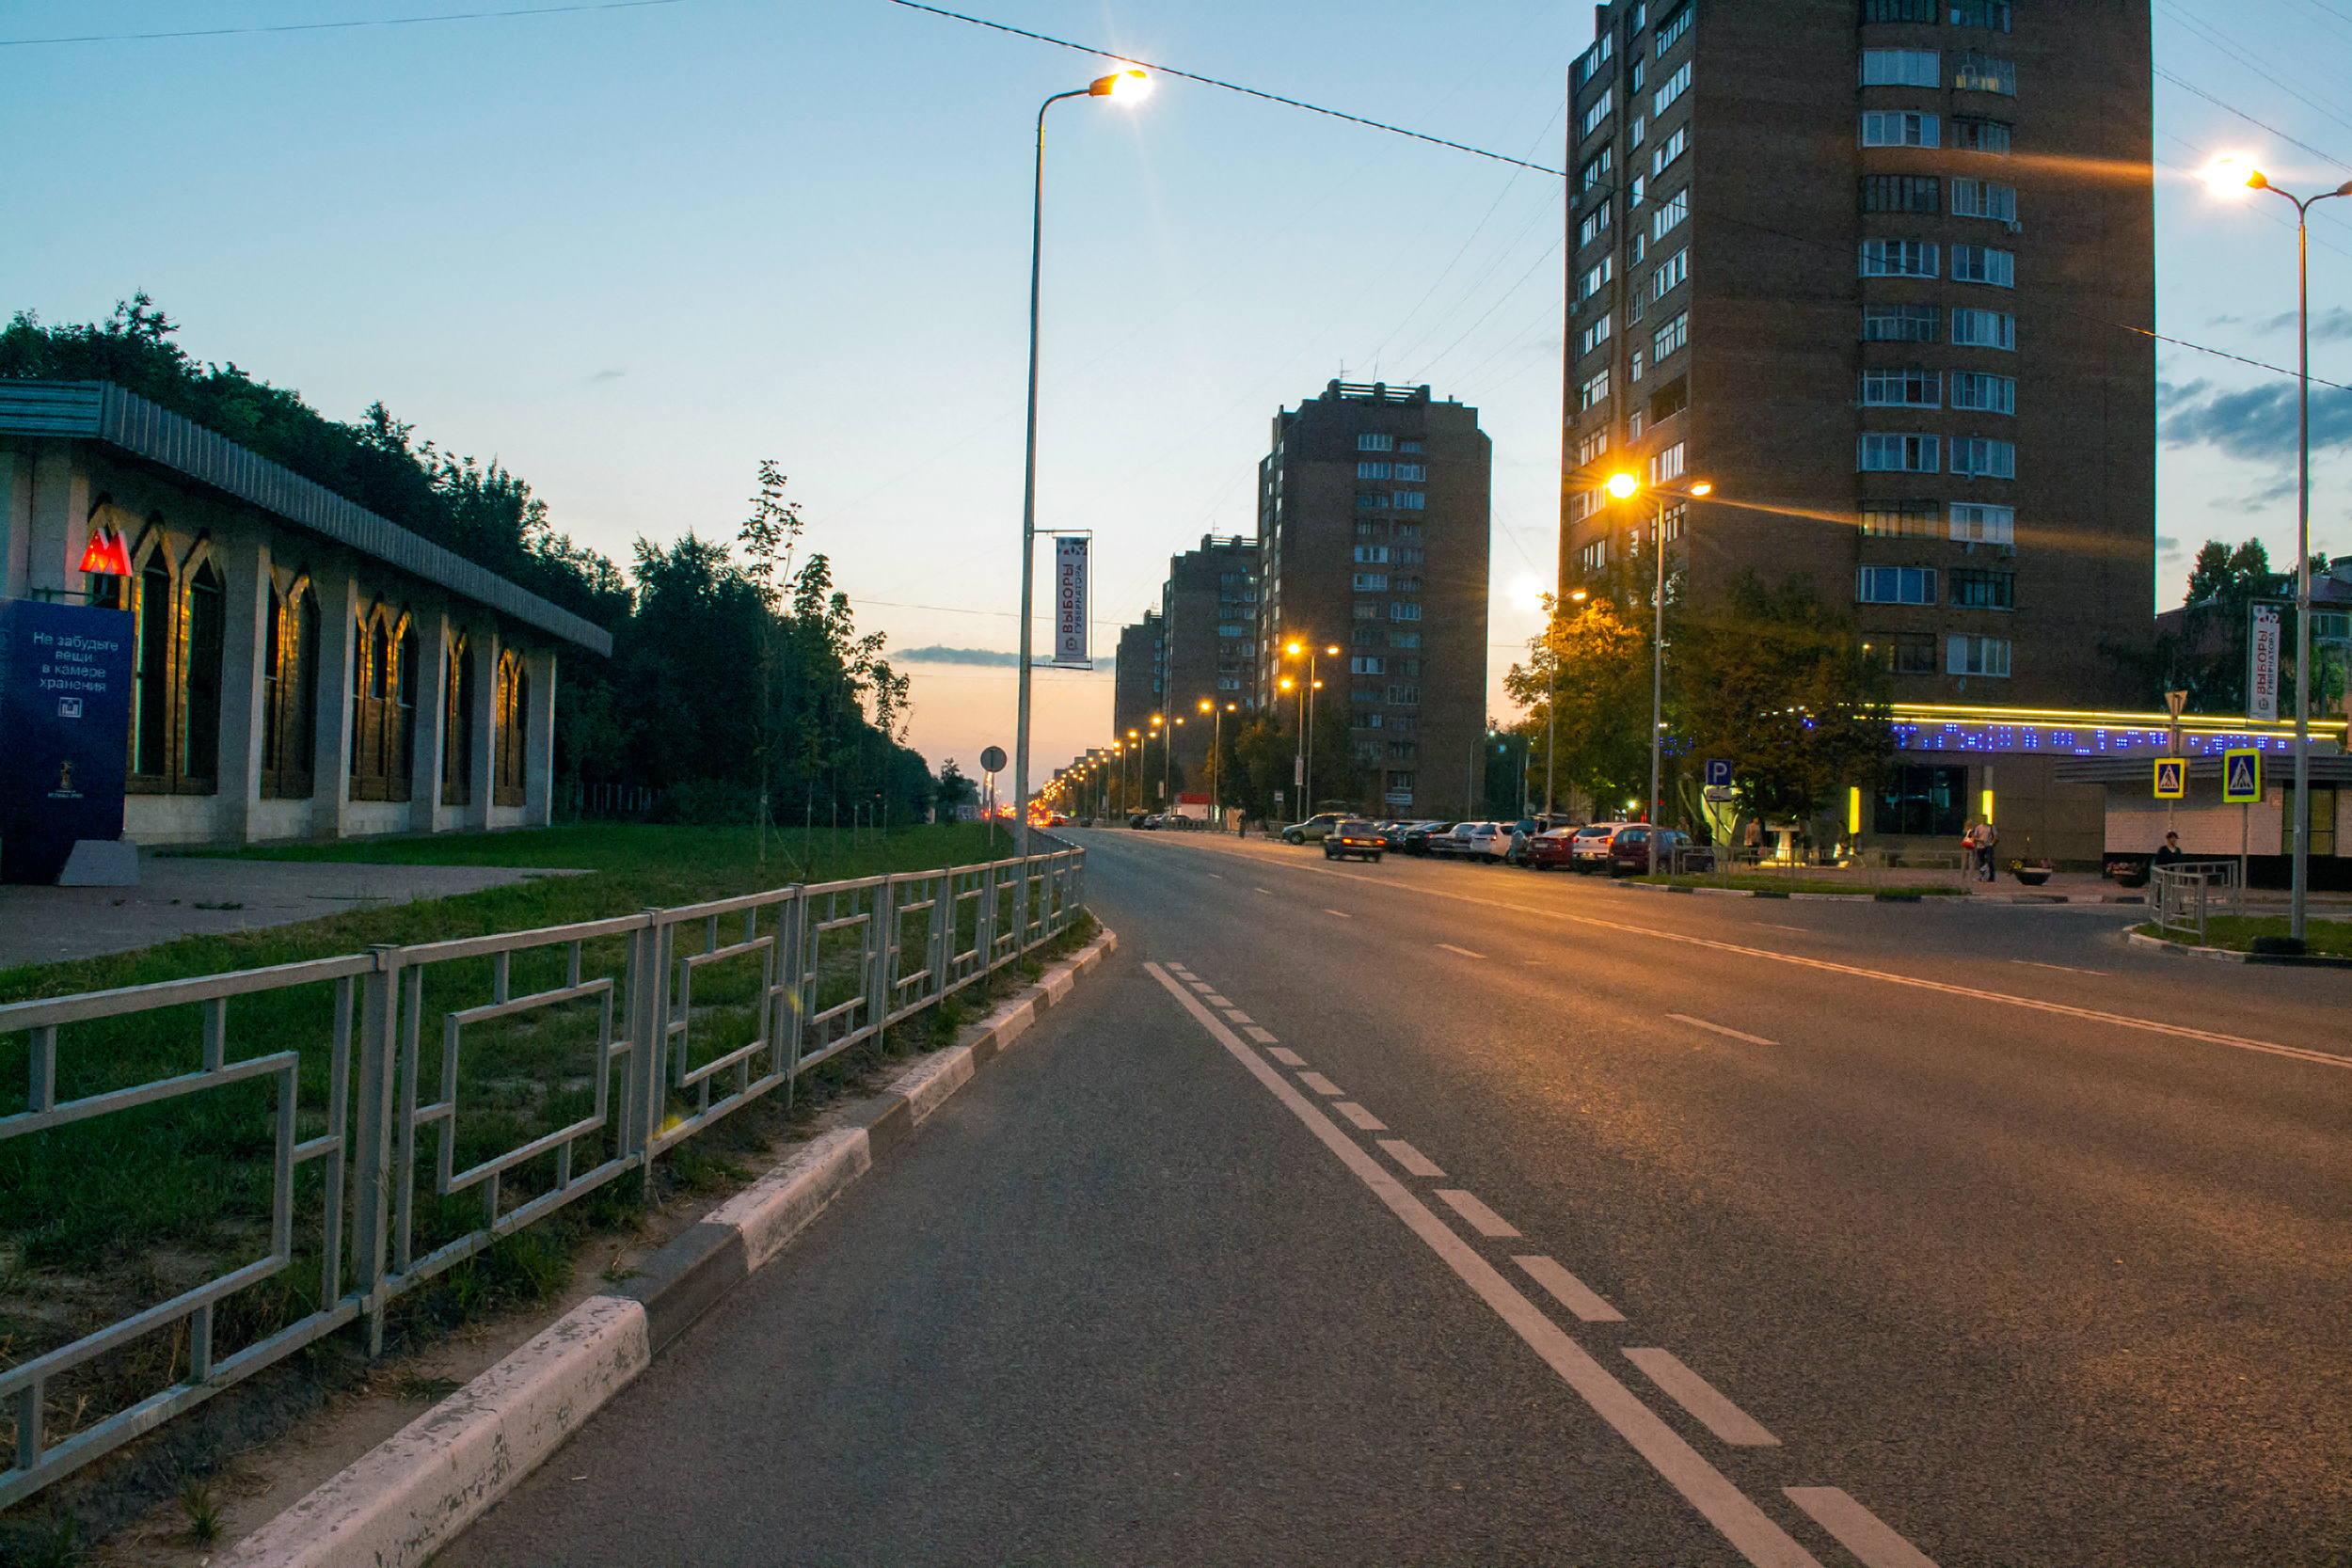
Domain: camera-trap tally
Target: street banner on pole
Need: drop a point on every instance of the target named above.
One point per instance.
(2172, 778)
(2262, 679)
(2241, 777)
(1070, 600)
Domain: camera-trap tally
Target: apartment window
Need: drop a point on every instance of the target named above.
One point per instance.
(1670, 29)
(1633, 373)
(1594, 170)
(1595, 224)
(1671, 88)
(1592, 446)
(1899, 454)
(1991, 394)
(1981, 13)
(1596, 278)
(1670, 400)
(1974, 588)
(1983, 198)
(1900, 519)
(1371, 470)
(1409, 501)
(1895, 585)
(1633, 423)
(1595, 390)
(1363, 637)
(1597, 115)
(1404, 696)
(1975, 263)
(1671, 210)
(1406, 584)
(1902, 68)
(1408, 530)
(1899, 10)
(1984, 525)
(1367, 611)
(1371, 582)
(1376, 443)
(1404, 611)
(1899, 128)
(1673, 147)
(1902, 386)
(1984, 328)
(1984, 73)
(1976, 655)
(1925, 803)
(1634, 138)
(1677, 268)
(1899, 259)
(1372, 555)
(1408, 446)
(1670, 337)
(1402, 750)
(1677, 515)
(1589, 65)
(1984, 459)
(1901, 323)
(1368, 501)
(1594, 556)
(1667, 466)
(1595, 334)
(1973, 134)
(1900, 193)
(1368, 664)
(1410, 668)
(1912, 653)
(1409, 555)
(1413, 472)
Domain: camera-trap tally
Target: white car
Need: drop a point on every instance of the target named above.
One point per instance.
(1481, 841)
(1589, 850)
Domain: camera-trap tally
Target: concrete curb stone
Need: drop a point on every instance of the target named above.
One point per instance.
(413, 1493)
(2230, 956)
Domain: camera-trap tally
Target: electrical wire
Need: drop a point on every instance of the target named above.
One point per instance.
(2188, 86)
(335, 26)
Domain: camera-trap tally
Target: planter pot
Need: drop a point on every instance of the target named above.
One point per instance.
(2030, 876)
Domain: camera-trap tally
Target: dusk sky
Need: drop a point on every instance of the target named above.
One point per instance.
(631, 251)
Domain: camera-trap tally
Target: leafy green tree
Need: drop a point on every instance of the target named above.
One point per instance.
(1590, 673)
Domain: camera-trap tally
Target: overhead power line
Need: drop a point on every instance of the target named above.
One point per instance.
(2190, 87)
(332, 26)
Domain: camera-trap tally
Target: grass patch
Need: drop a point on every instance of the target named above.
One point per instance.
(1767, 883)
(2331, 939)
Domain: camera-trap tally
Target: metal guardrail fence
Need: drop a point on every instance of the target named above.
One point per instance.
(2185, 895)
(662, 1024)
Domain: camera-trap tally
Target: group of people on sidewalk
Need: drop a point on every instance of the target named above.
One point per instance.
(1978, 842)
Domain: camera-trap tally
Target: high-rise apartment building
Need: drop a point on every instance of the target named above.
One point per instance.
(1209, 619)
(1139, 679)
(1881, 272)
(1373, 538)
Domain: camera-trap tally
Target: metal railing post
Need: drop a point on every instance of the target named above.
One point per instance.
(372, 1198)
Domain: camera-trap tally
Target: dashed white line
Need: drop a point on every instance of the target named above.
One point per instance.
(1717, 1028)
(1260, 1036)
(1287, 1056)
(1569, 1291)
(1482, 1219)
(1214, 1000)
(2070, 969)
(1202, 986)
(1413, 1160)
(1321, 1085)
(1365, 1121)
(1464, 951)
(1268, 890)
(1342, 913)
(1699, 1396)
(1857, 1530)
(1238, 1015)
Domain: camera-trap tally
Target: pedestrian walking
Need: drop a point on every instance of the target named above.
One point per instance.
(1756, 837)
(2170, 854)
(1987, 836)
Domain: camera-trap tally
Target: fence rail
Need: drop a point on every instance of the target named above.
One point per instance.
(2189, 894)
(644, 1029)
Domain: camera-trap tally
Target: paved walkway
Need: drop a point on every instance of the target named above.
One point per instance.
(188, 895)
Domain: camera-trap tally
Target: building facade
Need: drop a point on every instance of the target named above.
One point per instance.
(1881, 272)
(1373, 526)
(1140, 679)
(303, 669)
(1209, 614)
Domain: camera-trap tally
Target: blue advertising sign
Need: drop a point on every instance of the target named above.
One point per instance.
(1718, 773)
(64, 706)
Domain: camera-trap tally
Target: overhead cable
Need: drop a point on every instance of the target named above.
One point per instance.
(332, 26)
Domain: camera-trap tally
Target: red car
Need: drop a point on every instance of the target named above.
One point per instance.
(1549, 851)
(1631, 849)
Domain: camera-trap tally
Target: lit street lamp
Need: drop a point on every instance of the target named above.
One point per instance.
(1622, 486)
(1307, 723)
(1119, 84)
(1217, 758)
(2229, 174)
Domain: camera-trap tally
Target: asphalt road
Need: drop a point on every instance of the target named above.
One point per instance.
(1960, 1234)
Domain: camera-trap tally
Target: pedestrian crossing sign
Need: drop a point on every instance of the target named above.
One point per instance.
(2241, 777)
(2172, 778)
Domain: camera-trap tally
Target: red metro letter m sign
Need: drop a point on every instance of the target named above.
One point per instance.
(1070, 600)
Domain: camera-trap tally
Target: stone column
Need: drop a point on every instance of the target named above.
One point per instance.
(539, 749)
(244, 562)
(16, 522)
(486, 647)
(431, 720)
(338, 611)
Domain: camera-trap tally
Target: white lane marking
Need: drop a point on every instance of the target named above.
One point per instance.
(1269, 891)
(1775, 925)
(1214, 1000)
(2034, 1003)
(1413, 1160)
(1464, 951)
(1705, 1488)
(1701, 1023)
(2070, 969)
(1365, 1121)
(1285, 1055)
(1569, 1291)
(1321, 1085)
(1858, 1529)
(1201, 985)
(1342, 913)
(1699, 1396)
(1260, 1036)
(1482, 1219)
(1219, 875)
(1238, 1015)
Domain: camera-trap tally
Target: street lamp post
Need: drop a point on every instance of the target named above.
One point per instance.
(1216, 759)
(1132, 84)
(1307, 724)
(2227, 172)
(1622, 486)
(1167, 763)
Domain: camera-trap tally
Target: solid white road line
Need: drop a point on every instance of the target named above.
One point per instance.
(1260, 1036)
(1464, 951)
(1238, 1016)
(1482, 1219)
(1413, 1160)
(1857, 1530)
(1365, 1121)
(1569, 1291)
(1699, 1396)
(1705, 1488)
(1321, 1085)
(1701, 1023)
(1342, 913)
(1287, 1058)
(2070, 969)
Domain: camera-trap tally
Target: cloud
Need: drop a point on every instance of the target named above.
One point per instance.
(2334, 322)
(609, 375)
(2225, 321)
(2258, 423)
(2166, 545)
(2264, 499)
(936, 654)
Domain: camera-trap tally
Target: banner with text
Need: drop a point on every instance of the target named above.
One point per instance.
(2262, 678)
(1070, 600)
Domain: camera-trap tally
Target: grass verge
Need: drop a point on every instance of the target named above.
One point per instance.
(2331, 939)
(1770, 884)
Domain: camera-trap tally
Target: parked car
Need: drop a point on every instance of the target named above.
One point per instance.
(1548, 849)
(1413, 838)
(1636, 848)
(1135, 818)
(1353, 839)
(1314, 830)
(1588, 850)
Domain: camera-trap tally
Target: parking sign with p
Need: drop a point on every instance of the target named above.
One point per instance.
(1718, 773)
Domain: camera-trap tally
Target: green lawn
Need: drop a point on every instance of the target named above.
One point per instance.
(2324, 937)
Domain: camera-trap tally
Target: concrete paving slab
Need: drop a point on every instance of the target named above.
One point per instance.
(182, 895)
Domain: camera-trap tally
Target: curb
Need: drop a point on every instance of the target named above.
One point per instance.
(413, 1493)
(2230, 956)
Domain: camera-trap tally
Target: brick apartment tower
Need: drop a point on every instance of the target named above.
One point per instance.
(1209, 614)
(1373, 536)
(1873, 268)
(1139, 679)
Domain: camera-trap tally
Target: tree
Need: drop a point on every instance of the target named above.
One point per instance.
(1593, 663)
(954, 788)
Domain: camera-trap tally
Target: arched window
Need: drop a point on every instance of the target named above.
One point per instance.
(381, 744)
(513, 717)
(404, 710)
(151, 685)
(457, 726)
(289, 695)
(199, 679)
(178, 620)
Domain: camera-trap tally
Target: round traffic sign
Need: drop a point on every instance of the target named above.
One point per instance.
(992, 760)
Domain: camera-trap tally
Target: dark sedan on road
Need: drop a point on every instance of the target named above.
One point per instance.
(1354, 839)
